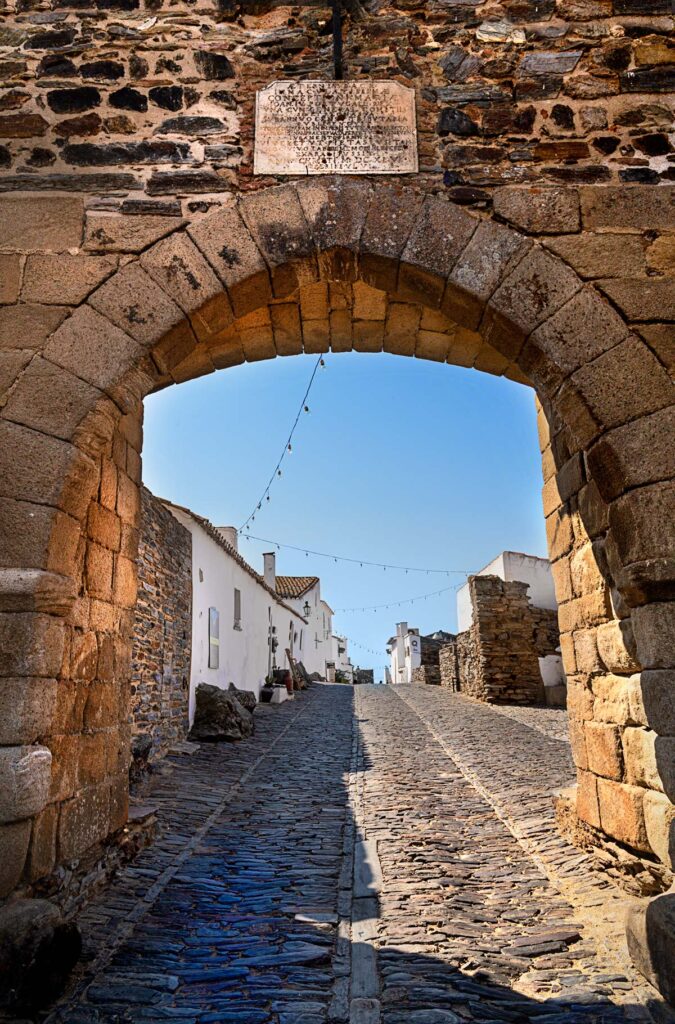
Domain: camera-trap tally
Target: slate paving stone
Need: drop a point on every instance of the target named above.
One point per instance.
(241, 912)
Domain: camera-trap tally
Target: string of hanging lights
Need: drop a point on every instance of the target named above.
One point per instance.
(397, 604)
(356, 561)
(287, 449)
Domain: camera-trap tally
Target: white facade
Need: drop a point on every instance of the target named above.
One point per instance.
(249, 616)
(405, 650)
(303, 594)
(339, 659)
(510, 566)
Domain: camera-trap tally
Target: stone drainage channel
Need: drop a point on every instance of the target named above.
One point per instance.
(370, 856)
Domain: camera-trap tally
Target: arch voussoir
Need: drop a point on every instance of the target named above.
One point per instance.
(534, 289)
(440, 234)
(224, 239)
(277, 224)
(180, 269)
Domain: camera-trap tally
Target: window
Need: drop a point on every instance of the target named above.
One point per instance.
(214, 637)
(237, 608)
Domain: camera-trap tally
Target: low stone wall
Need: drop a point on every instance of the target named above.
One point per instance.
(428, 674)
(162, 629)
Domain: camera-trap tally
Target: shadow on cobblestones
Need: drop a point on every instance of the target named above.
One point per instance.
(246, 909)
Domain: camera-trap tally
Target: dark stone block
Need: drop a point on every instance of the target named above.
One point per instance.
(465, 195)
(88, 124)
(105, 69)
(639, 7)
(55, 67)
(214, 66)
(565, 149)
(605, 144)
(226, 99)
(138, 66)
(563, 116)
(168, 97)
(51, 40)
(22, 126)
(158, 207)
(73, 101)
(69, 182)
(453, 121)
(642, 175)
(88, 154)
(538, 88)
(653, 144)
(187, 125)
(585, 174)
(661, 79)
(5, 157)
(129, 99)
(472, 92)
(41, 157)
(164, 183)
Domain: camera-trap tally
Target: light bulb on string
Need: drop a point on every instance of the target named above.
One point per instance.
(290, 447)
(306, 408)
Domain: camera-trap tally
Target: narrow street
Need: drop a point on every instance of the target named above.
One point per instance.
(371, 854)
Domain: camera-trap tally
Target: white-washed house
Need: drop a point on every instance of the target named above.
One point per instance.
(241, 626)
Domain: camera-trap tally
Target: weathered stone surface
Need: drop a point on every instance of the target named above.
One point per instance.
(111, 233)
(219, 716)
(229, 248)
(641, 299)
(10, 277)
(660, 824)
(137, 305)
(537, 287)
(601, 255)
(64, 279)
(28, 325)
(441, 233)
(485, 261)
(621, 813)
(628, 207)
(37, 952)
(246, 698)
(40, 223)
(539, 211)
(650, 932)
(180, 269)
(638, 453)
(25, 775)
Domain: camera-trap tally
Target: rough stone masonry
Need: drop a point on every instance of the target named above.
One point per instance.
(137, 249)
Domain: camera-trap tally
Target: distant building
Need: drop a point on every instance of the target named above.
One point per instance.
(415, 658)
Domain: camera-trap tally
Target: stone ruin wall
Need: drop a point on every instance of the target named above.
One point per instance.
(496, 660)
(120, 121)
(160, 675)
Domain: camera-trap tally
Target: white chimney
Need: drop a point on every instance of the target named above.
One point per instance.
(230, 535)
(270, 569)
(401, 628)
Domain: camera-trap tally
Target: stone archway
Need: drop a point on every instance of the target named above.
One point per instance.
(340, 264)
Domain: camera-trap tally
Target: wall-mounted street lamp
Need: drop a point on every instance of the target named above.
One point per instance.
(306, 609)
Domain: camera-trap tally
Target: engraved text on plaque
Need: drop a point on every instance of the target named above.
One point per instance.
(335, 128)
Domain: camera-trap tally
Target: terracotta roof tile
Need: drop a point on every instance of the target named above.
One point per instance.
(295, 586)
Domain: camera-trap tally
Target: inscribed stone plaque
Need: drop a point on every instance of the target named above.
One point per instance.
(335, 128)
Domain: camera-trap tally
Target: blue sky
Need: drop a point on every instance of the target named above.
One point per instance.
(399, 460)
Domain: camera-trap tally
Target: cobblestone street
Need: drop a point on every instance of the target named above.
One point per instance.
(371, 854)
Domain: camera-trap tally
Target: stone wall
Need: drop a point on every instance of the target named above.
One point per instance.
(428, 674)
(497, 659)
(160, 677)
